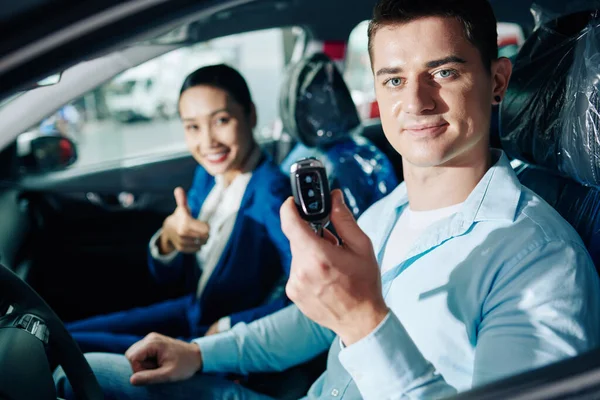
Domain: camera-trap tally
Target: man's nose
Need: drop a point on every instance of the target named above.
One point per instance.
(418, 97)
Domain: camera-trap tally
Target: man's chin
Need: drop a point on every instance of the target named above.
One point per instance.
(425, 159)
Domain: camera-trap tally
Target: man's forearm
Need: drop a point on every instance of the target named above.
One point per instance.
(273, 343)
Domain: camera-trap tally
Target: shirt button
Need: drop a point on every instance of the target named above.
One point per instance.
(335, 392)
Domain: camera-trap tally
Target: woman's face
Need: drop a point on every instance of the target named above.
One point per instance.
(218, 131)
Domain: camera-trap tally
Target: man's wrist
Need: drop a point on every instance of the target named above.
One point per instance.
(362, 322)
(198, 356)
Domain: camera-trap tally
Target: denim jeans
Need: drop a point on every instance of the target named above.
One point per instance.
(113, 372)
(117, 331)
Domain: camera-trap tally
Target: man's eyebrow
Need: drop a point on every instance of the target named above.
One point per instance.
(444, 61)
(389, 71)
(429, 64)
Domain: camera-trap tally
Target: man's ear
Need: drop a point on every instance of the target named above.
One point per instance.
(501, 72)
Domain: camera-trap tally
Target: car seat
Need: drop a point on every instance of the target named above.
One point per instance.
(549, 120)
(317, 110)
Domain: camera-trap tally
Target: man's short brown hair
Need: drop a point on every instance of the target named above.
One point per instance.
(476, 17)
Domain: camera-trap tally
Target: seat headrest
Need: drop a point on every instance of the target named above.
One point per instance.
(550, 114)
(315, 104)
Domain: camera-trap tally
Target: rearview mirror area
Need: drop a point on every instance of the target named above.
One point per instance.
(49, 81)
(38, 153)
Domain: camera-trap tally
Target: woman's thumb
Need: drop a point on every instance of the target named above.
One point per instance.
(181, 199)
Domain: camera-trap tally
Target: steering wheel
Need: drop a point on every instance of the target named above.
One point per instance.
(25, 334)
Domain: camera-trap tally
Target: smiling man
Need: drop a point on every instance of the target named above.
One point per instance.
(459, 277)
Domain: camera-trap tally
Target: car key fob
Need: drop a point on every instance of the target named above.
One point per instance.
(311, 192)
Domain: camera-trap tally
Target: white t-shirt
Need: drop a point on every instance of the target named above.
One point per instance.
(408, 228)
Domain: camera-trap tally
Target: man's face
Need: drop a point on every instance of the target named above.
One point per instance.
(434, 93)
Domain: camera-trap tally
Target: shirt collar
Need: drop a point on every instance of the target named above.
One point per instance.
(495, 197)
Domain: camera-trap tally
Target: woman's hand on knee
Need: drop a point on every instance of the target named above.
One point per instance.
(159, 359)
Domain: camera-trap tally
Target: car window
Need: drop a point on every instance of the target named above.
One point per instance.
(135, 114)
(359, 77)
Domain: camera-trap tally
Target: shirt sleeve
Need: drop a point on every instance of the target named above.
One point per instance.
(155, 252)
(273, 343)
(165, 268)
(540, 310)
(536, 313)
(395, 368)
(224, 324)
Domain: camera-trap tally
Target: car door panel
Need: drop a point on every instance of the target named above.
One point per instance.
(13, 227)
(91, 230)
(148, 173)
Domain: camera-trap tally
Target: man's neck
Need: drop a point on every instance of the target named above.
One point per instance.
(430, 188)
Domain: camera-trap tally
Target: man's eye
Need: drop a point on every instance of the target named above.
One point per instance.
(445, 73)
(394, 82)
(191, 127)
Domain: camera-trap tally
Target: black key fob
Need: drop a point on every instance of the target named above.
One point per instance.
(311, 192)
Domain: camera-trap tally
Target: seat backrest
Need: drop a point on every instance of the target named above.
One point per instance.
(549, 119)
(318, 111)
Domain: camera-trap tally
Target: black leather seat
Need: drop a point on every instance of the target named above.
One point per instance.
(550, 120)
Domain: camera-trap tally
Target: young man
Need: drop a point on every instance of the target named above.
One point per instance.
(459, 277)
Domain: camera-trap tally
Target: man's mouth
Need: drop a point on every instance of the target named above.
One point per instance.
(427, 129)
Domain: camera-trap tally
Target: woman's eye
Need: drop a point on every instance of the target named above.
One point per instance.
(222, 120)
(394, 82)
(191, 127)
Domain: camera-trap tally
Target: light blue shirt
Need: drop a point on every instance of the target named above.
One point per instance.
(502, 286)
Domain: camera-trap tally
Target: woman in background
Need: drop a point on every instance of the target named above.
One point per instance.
(224, 239)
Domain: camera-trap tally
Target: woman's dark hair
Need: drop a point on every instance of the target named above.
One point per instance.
(476, 16)
(222, 77)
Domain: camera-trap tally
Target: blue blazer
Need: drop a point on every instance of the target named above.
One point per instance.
(256, 258)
